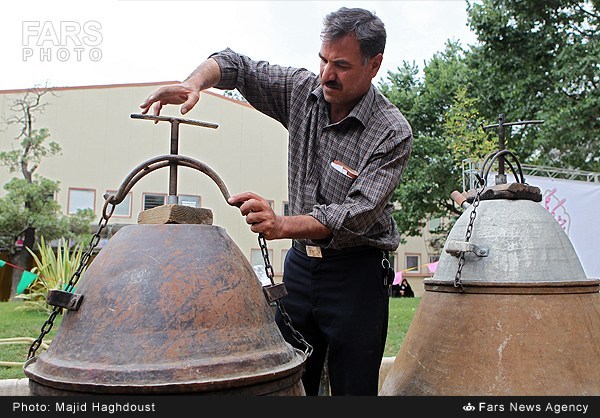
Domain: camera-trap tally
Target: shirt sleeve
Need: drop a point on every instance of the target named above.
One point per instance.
(267, 87)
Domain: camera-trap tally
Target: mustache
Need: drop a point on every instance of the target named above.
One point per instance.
(333, 85)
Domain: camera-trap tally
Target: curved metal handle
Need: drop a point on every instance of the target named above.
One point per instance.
(490, 158)
(159, 162)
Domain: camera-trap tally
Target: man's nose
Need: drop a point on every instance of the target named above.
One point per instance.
(327, 73)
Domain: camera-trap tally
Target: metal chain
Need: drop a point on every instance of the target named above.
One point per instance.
(85, 259)
(262, 242)
(472, 216)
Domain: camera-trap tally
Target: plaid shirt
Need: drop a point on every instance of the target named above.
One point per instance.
(343, 174)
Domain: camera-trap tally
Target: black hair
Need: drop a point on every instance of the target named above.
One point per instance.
(368, 29)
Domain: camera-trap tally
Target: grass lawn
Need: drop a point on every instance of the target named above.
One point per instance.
(402, 311)
(19, 323)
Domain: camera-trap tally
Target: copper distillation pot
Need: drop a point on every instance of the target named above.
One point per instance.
(509, 310)
(168, 306)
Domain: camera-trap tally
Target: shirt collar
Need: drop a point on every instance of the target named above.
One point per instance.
(360, 112)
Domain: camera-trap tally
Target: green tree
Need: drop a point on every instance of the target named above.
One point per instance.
(28, 209)
(33, 143)
(541, 60)
(446, 130)
(533, 60)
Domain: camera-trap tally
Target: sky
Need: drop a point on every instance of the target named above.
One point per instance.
(77, 43)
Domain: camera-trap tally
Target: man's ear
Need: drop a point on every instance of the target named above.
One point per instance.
(375, 64)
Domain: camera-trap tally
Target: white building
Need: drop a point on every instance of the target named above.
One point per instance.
(101, 145)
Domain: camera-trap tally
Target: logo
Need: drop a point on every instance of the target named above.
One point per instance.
(468, 407)
(46, 41)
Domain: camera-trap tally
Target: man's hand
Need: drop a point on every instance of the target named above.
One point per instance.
(205, 76)
(262, 219)
(176, 94)
(259, 214)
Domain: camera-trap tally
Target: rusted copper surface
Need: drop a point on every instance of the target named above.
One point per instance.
(169, 309)
(494, 344)
(524, 320)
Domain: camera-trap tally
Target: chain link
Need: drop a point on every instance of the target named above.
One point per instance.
(472, 216)
(85, 259)
(262, 242)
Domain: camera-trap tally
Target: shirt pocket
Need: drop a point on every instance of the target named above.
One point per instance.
(336, 182)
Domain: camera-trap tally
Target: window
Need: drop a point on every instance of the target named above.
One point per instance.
(286, 209)
(81, 199)
(256, 258)
(153, 200)
(123, 209)
(434, 258)
(189, 200)
(435, 224)
(413, 262)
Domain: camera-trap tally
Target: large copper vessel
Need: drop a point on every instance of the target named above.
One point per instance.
(524, 320)
(168, 308)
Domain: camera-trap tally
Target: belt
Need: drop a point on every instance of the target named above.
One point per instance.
(320, 252)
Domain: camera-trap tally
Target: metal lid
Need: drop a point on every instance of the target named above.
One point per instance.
(512, 241)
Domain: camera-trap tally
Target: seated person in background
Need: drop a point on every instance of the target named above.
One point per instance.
(405, 290)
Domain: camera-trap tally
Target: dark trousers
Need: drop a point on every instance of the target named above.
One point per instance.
(339, 304)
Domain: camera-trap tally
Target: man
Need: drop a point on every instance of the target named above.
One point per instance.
(348, 146)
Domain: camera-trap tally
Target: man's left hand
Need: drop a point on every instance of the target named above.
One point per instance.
(259, 214)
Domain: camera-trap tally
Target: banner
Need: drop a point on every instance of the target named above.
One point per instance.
(26, 279)
(575, 206)
(397, 278)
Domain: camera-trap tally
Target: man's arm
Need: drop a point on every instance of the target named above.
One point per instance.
(187, 93)
(262, 219)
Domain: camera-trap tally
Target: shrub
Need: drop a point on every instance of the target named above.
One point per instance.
(54, 270)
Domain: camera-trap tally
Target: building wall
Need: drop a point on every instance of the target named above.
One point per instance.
(101, 145)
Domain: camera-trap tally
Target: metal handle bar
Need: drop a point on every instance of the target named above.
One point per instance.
(173, 119)
(175, 122)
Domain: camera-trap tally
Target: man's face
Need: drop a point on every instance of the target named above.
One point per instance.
(344, 77)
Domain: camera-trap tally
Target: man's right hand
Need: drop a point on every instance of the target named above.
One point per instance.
(176, 94)
(207, 75)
